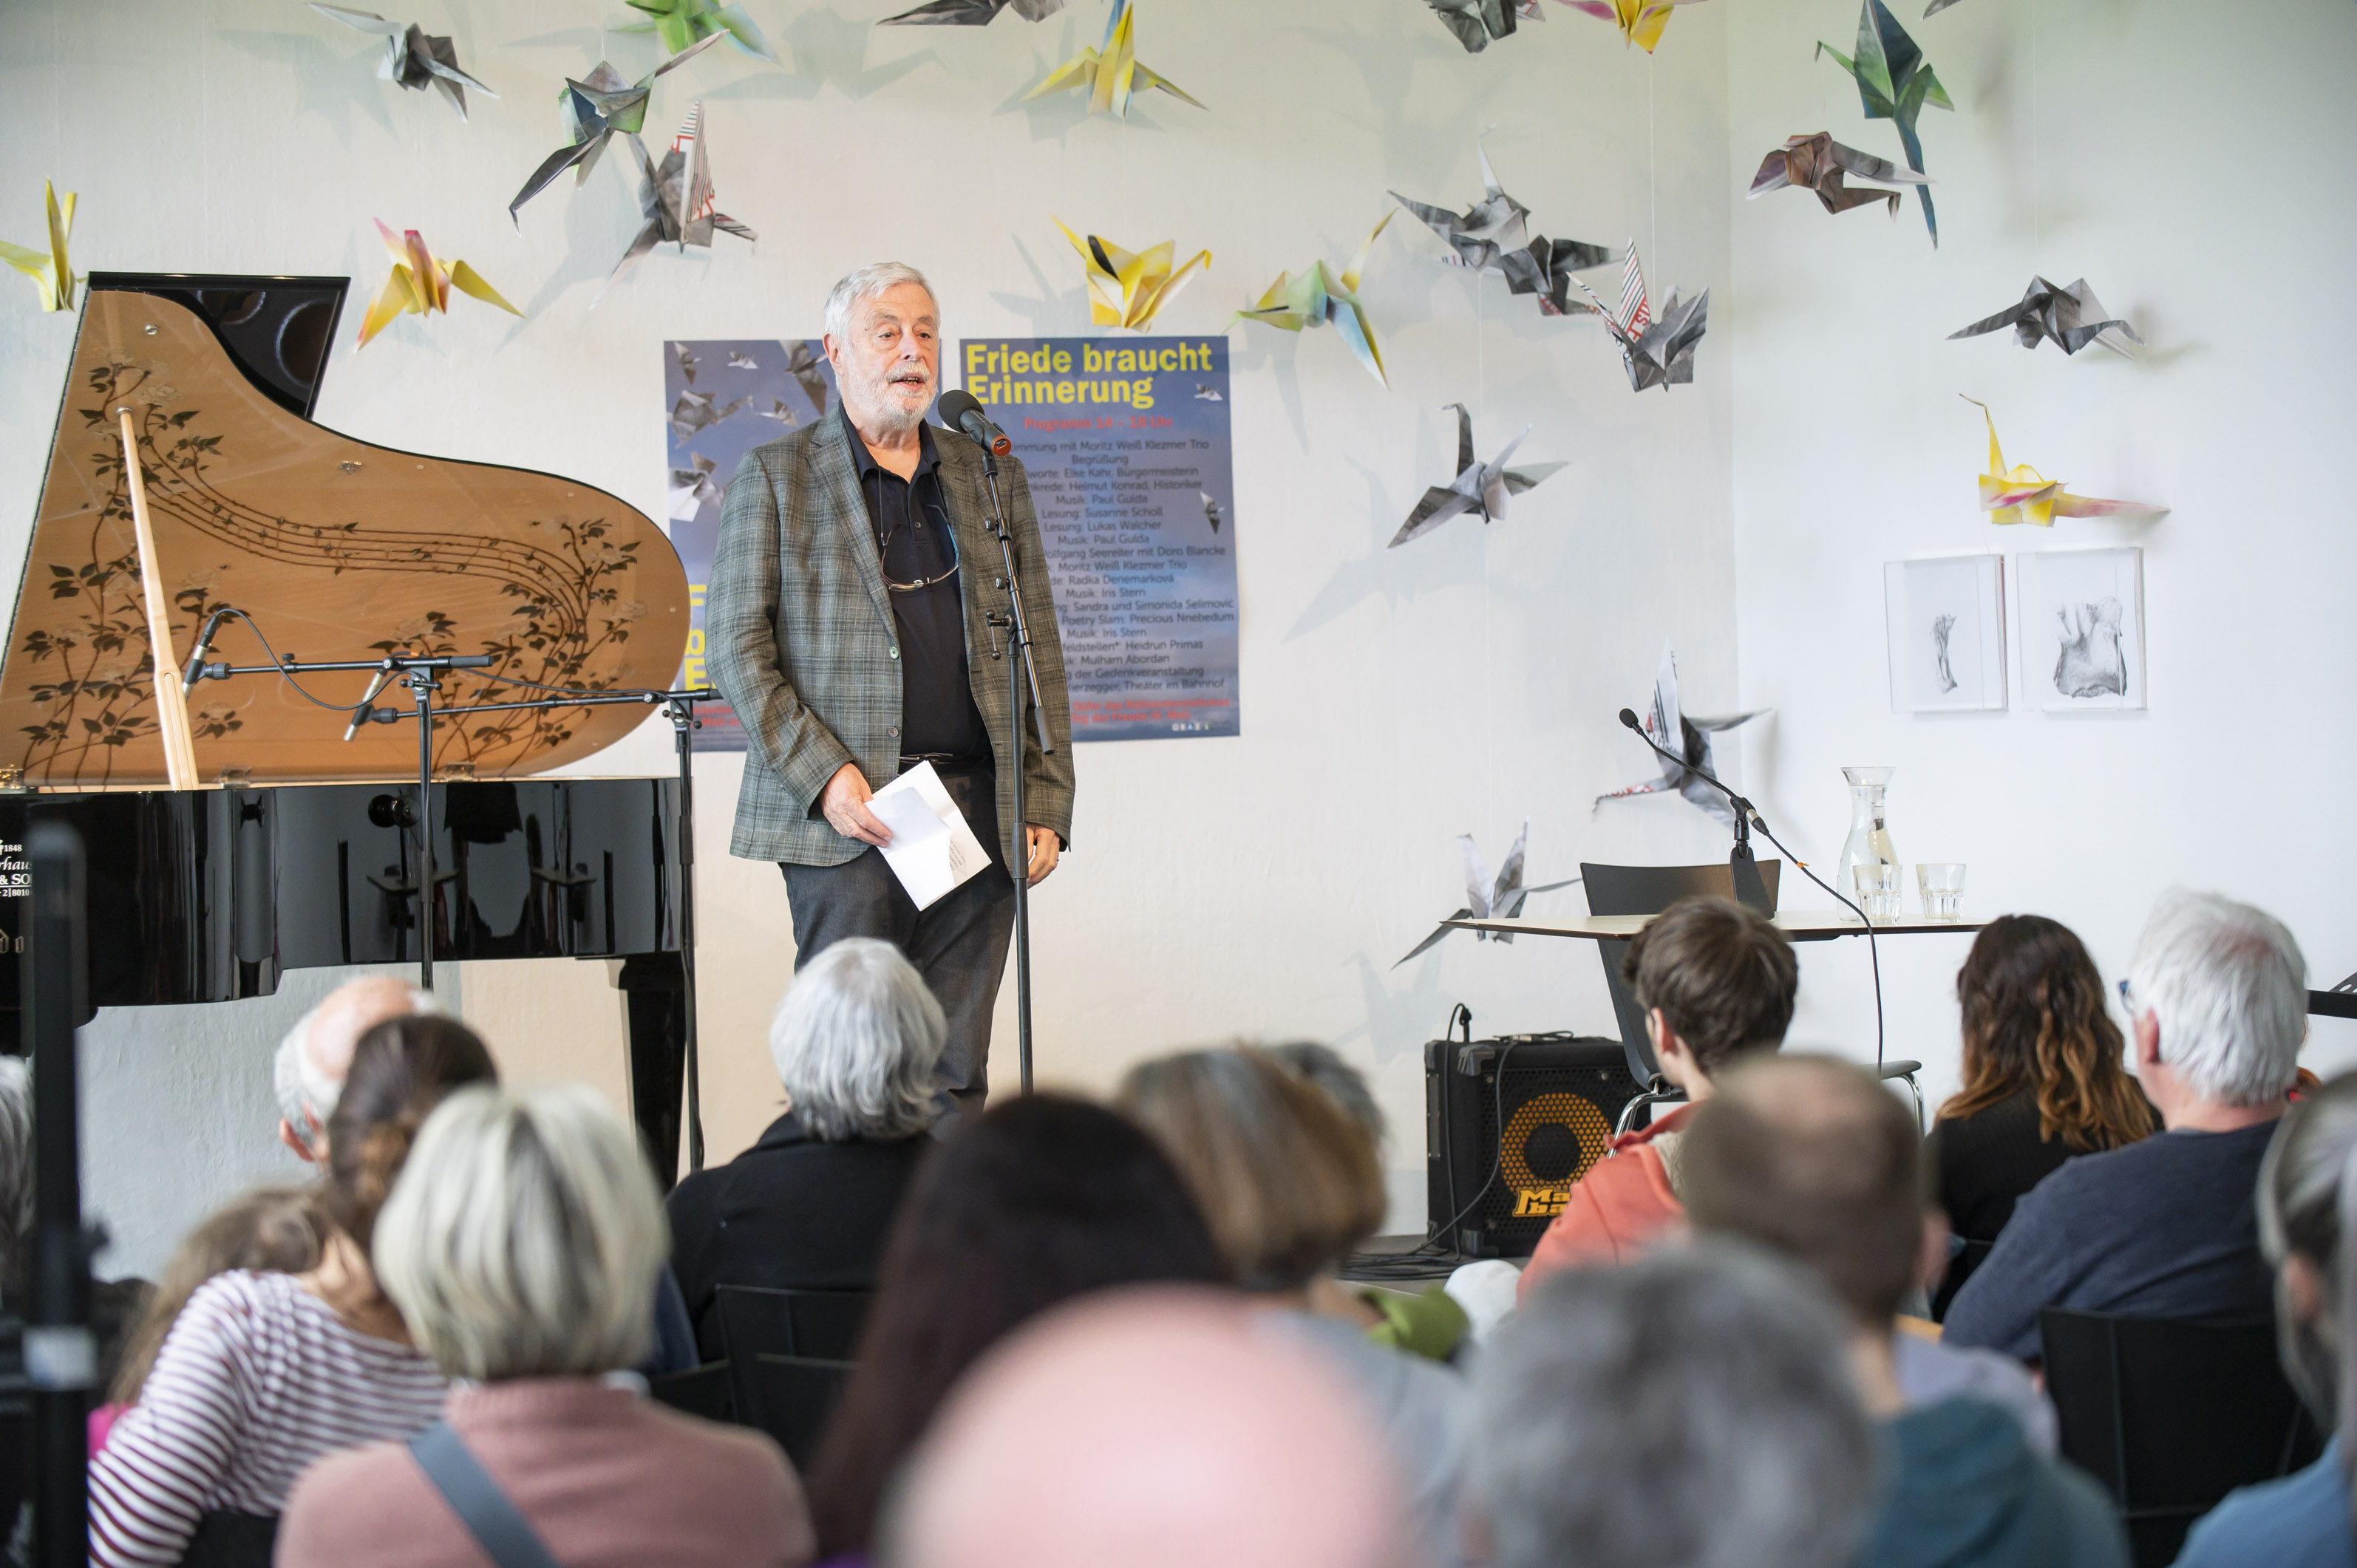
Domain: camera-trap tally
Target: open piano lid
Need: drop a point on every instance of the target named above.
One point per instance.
(339, 548)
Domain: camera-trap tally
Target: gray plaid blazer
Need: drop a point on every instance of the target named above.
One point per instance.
(800, 638)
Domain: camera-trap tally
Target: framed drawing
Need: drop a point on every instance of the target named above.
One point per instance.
(2083, 629)
(1946, 620)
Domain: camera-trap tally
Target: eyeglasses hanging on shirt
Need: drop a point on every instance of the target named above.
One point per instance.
(917, 526)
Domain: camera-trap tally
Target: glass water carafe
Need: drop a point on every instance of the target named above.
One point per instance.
(1869, 829)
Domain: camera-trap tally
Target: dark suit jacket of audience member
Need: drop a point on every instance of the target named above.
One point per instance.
(792, 1212)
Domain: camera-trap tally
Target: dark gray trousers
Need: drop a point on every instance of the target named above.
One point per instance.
(958, 945)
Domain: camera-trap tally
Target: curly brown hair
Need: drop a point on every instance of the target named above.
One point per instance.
(2035, 1020)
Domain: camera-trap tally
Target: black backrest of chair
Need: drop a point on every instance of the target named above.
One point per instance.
(224, 1540)
(791, 1397)
(2169, 1417)
(1648, 890)
(699, 1391)
(759, 1319)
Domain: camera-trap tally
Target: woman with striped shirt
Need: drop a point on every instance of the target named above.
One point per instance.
(263, 1374)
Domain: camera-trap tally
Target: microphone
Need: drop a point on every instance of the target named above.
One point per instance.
(963, 410)
(366, 710)
(196, 671)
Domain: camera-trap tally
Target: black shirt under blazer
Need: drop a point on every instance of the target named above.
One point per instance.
(792, 1212)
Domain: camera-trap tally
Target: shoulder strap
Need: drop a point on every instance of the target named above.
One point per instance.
(500, 1528)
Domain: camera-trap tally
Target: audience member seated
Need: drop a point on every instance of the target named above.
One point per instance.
(311, 1061)
(1717, 981)
(1815, 1160)
(522, 1244)
(807, 1206)
(1290, 1187)
(2043, 1080)
(2308, 1214)
(263, 1373)
(1692, 1410)
(2217, 1002)
(1149, 1429)
(1035, 1201)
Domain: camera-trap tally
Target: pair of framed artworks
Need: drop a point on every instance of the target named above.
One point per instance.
(2082, 619)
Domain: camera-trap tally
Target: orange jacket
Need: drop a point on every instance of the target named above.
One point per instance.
(1615, 1210)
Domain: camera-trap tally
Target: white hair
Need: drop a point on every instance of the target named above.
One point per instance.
(870, 282)
(304, 1093)
(15, 1172)
(524, 1236)
(855, 1042)
(2230, 990)
(1754, 1451)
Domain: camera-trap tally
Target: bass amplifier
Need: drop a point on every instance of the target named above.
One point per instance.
(1509, 1125)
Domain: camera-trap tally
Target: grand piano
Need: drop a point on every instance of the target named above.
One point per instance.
(301, 847)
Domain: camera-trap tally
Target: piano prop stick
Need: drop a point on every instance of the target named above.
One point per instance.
(171, 704)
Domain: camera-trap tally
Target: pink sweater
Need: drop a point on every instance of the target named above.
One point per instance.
(606, 1476)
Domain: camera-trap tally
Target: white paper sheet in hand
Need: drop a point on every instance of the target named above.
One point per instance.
(932, 850)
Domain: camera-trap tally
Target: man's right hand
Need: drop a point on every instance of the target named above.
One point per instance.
(843, 804)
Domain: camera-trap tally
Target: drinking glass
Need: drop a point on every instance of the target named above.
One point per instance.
(1877, 886)
(1942, 884)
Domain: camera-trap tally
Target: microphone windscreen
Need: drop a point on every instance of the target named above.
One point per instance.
(1628, 718)
(956, 405)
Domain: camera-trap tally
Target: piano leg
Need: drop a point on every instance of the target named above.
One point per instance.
(654, 986)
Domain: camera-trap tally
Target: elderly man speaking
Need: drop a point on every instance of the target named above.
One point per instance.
(846, 624)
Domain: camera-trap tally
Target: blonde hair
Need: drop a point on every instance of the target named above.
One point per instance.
(524, 1235)
(270, 1229)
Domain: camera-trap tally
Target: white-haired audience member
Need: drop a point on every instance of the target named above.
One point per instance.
(309, 1067)
(1815, 1160)
(806, 1208)
(1691, 1409)
(522, 1244)
(2217, 1004)
(1157, 1427)
(15, 1177)
(2307, 1213)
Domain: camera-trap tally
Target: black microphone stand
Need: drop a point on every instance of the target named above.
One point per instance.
(1747, 817)
(1022, 674)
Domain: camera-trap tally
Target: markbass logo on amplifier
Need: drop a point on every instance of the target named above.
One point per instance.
(1540, 1202)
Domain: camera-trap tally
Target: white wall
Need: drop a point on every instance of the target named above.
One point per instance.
(1260, 886)
(2198, 179)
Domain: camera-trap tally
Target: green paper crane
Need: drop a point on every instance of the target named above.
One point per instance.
(1894, 82)
(1318, 298)
(680, 22)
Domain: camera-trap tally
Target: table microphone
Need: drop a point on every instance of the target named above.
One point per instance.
(196, 671)
(963, 410)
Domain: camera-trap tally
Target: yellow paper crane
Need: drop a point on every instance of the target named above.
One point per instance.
(1640, 21)
(1316, 298)
(2021, 494)
(50, 272)
(1125, 290)
(1111, 74)
(419, 283)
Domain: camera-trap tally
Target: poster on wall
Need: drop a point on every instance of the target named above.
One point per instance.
(723, 397)
(1946, 620)
(2082, 628)
(1127, 446)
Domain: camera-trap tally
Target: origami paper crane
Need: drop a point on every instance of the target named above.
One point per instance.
(1479, 487)
(1210, 510)
(694, 410)
(1656, 353)
(1316, 297)
(1125, 290)
(51, 273)
(1640, 21)
(677, 199)
(1664, 721)
(1935, 8)
(1818, 163)
(419, 284)
(412, 57)
(596, 109)
(1485, 900)
(1494, 236)
(1204, 394)
(2071, 317)
(777, 411)
(680, 22)
(1894, 83)
(809, 369)
(971, 13)
(692, 487)
(1111, 74)
(2022, 494)
(1476, 22)
(742, 362)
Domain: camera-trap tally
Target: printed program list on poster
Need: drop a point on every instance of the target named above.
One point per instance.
(1126, 443)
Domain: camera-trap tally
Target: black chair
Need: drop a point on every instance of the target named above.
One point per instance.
(699, 1391)
(224, 1540)
(792, 1399)
(1648, 890)
(2169, 1417)
(759, 1319)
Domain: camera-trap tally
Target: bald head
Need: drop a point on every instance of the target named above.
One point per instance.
(313, 1059)
(1157, 1429)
